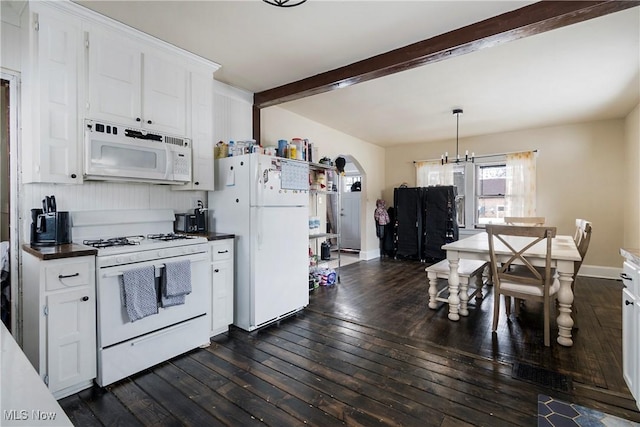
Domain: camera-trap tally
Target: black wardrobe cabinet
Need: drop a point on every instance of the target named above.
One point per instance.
(425, 220)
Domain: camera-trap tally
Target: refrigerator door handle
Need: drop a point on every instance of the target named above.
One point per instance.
(259, 204)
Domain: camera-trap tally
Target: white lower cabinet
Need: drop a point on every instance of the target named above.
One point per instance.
(59, 315)
(631, 328)
(222, 273)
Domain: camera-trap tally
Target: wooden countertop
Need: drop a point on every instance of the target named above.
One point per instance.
(632, 255)
(59, 252)
(213, 235)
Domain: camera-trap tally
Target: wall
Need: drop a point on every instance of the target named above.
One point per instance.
(278, 123)
(97, 195)
(632, 180)
(9, 36)
(580, 174)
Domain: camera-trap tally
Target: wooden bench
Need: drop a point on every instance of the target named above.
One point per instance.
(466, 269)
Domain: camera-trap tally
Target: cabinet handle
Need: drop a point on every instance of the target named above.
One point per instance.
(149, 122)
(627, 302)
(138, 119)
(625, 276)
(73, 175)
(197, 183)
(223, 252)
(216, 270)
(85, 298)
(66, 276)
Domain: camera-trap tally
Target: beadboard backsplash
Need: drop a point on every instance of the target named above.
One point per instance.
(105, 195)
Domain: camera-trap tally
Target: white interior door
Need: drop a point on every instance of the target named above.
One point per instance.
(350, 216)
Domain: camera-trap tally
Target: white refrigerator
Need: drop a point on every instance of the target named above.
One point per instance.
(264, 201)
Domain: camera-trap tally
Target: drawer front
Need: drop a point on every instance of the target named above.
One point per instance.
(222, 250)
(62, 275)
(127, 358)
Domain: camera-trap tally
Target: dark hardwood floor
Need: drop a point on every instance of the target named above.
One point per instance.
(370, 352)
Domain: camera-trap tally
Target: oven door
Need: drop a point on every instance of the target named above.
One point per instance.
(114, 325)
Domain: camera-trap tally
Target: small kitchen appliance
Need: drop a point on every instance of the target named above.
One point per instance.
(186, 223)
(48, 226)
(195, 222)
(116, 152)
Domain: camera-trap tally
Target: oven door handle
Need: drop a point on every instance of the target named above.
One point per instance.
(157, 267)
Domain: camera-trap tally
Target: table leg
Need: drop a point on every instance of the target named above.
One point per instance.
(565, 301)
(463, 295)
(454, 282)
(433, 289)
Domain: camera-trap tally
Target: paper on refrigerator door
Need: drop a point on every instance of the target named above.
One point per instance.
(231, 178)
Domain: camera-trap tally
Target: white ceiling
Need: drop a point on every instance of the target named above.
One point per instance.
(584, 72)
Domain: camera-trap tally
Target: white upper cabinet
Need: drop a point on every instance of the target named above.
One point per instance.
(51, 149)
(201, 132)
(233, 120)
(135, 84)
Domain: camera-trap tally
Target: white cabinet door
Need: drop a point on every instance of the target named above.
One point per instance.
(233, 119)
(71, 337)
(115, 78)
(164, 101)
(222, 281)
(630, 340)
(133, 84)
(201, 133)
(52, 148)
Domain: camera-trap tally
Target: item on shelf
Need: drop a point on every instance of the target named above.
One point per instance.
(325, 251)
(282, 147)
(220, 150)
(326, 161)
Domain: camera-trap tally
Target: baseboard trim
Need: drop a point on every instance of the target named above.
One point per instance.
(600, 272)
(367, 255)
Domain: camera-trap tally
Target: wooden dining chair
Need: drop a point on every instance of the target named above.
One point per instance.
(582, 239)
(527, 282)
(524, 220)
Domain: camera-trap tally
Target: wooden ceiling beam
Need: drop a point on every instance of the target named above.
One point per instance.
(527, 21)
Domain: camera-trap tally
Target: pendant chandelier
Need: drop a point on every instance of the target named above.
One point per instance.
(284, 3)
(445, 158)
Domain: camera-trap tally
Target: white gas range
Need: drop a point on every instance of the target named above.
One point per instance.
(129, 242)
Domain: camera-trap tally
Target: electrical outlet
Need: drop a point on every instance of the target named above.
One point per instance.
(194, 202)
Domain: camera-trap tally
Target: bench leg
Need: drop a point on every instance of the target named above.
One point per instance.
(479, 284)
(433, 289)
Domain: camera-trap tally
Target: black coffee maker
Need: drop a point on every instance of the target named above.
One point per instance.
(48, 226)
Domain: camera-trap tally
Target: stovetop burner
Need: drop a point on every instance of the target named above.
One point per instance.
(114, 241)
(169, 237)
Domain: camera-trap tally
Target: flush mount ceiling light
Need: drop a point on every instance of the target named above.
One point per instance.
(284, 3)
(445, 158)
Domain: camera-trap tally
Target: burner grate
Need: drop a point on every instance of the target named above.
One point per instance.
(114, 241)
(168, 237)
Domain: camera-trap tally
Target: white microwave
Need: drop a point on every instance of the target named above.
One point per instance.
(115, 152)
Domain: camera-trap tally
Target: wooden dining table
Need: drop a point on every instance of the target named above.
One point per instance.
(564, 254)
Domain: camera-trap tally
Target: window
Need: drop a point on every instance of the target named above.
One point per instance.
(348, 181)
(491, 182)
(487, 190)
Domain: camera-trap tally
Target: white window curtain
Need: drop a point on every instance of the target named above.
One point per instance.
(520, 192)
(433, 173)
